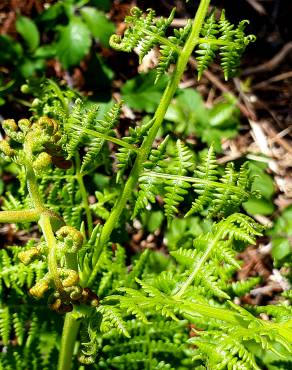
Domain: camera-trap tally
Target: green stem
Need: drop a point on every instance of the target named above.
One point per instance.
(33, 187)
(69, 334)
(84, 196)
(144, 151)
(30, 215)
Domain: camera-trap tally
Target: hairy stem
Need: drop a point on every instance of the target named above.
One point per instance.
(69, 334)
(30, 215)
(144, 151)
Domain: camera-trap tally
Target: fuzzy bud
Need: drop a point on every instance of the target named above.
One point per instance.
(6, 148)
(73, 238)
(49, 125)
(69, 277)
(39, 289)
(9, 125)
(27, 256)
(24, 124)
(42, 162)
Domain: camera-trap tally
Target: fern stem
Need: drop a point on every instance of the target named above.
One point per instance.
(32, 187)
(158, 119)
(106, 137)
(69, 334)
(30, 215)
(168, 176)
(84, 196)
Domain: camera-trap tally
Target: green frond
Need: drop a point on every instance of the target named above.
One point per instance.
(112, 317)
(207, 171)
(5, 325)
(170, 53)
(207, 51)
(236, 42)
(149, 186)
(176, 189)
(143, 30)
(105, 127)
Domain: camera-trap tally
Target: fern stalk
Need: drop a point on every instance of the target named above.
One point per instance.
(144, 151)
(70, 331)
(30, 215)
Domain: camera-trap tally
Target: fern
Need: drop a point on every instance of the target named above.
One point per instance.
(90, 256)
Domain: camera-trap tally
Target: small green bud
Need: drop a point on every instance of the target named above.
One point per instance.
(73, 238)
(69, 277)
(25, 89)
(49, 125)
(35, 102)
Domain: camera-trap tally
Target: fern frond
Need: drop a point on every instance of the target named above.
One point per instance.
(5, 325)
(169, 53)
(176, 189)
(143, 30)
(207, 51)
(112, 317)
(206, 171)
(149, 186)
(105, 127)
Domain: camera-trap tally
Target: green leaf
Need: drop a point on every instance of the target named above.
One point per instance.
(28, 31)
(98, 24)
(261, 206)
(52, 12)
(73, 43)
(281, 248)
(46, 51)
(281, 235)
(141, 94)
